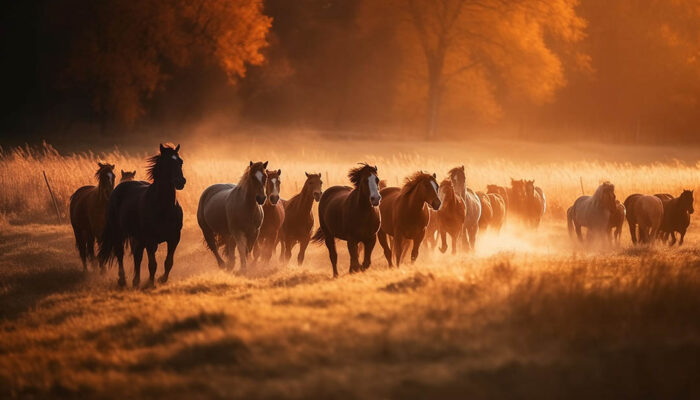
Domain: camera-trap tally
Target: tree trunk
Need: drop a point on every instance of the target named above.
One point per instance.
(433, 109)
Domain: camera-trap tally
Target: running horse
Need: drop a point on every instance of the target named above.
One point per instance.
(405, 215)
(592, 212)
(231, 214)
(146, 214)
(350, 214)
(273, 217)
(645, 214)
(677, 216)
(450, 216)
(88, 213)
(299, 219)
(472, 204)
(535, 204)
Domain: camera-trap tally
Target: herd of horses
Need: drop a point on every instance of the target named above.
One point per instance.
(250, 216)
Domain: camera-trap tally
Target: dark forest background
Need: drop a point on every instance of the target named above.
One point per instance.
(617, 71)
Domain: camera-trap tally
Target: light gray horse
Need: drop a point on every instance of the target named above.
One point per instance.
(593, 212)
(231, 214)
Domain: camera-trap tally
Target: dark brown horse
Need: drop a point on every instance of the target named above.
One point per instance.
(146, 215)
(350, 214)
(299, 219)
(677, 216)
(450, 216)
(617, 219)
(405, 215)
(486, 211)
(88, 213)
(127, 176)
(231, 214)
(498, 207)
(273, 217)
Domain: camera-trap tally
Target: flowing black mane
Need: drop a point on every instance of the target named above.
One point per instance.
(414, 180)
(355, 174)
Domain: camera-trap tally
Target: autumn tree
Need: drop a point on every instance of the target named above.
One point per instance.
(470, 52)
(120, 51)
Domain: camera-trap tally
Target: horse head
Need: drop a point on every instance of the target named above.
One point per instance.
(518, 187)
(459, 180)
(272, 185)
(686, 201)
(606, 193)
(127, 176)
(105, 175)
(430, 189)
(314, 184)
(167, 166)
(366, 180)
(257, 177)
(529, 188)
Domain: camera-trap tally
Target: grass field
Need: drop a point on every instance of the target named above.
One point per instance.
(528, 315)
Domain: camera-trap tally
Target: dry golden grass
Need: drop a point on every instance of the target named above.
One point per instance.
(529, 315)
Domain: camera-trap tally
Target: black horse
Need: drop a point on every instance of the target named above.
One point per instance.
(146, 214)
(676, 215)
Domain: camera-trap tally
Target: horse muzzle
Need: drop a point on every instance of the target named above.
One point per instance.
(435, 204)
(317, 196)
(260, 199)
(180, 183)
(274, 199)
(374, 200)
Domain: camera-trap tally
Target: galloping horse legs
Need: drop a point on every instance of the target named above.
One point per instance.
(443, 238)
(231, 252)
(682, 237)
(172, 245)
(369, 246)
(137, 250)
(119, 254)
(332, 254)
(303, 244)
(242, 245)
(354, 259)
(673, 239)
(455, 236)
(381, 235)
(633, 232)
(417, 240)
(578, 232)
(152, 265)
(398, 249)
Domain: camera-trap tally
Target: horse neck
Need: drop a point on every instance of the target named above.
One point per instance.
(450, 197)
(104, 188)
(357, 199)
(306, 198)
(413, 199)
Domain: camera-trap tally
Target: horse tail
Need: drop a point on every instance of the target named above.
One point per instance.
(319, 236)
(570, 220)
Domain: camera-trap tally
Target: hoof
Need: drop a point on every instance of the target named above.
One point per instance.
(443, 250)
(148, 285)
(121, 282)
(163, 279)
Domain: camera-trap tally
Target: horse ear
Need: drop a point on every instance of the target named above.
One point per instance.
(265, 164)
(434, 175)
(99, 164)
(251, 164)
(279, 172)
(162, 148)
(177, 148)
(306, 173)
(122, 172)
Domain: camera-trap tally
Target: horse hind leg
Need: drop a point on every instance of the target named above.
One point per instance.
(137, 250)
(332, 253)
(168, 265)
(673, 239)
(152, 264)
(81, 245)
(354, 258)
(210, 240)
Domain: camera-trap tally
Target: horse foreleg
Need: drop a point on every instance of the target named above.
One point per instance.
(633, 232)
(354, 259)
(579, 235)
(381, 236)
(369, 246)
(242, 245)
(443, 239)
(172, 245)
(303, 244)
(152, 265)
(82, 249)
(417, 240)
(397, 248)
(332, 254)
(288, 246)
(90, 251)
(680, 242)
(673, 239)
(137, 250)
(231, 252)
(455, 236)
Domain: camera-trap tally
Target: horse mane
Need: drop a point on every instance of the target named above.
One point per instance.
(155, 161)
(103, 167)
(245, 179)
(456, 170)
(448, 184)
(605, 186)
(355, 174)
(414, 180)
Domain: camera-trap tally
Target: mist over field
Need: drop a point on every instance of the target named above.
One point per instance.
(550, 100)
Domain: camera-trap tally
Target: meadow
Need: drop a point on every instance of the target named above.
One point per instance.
(527, 315)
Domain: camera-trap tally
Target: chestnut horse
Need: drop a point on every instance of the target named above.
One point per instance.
(127, 176)
(232, 214)
(644, 213)
(677, 216)
(273, 217)
(147, 215)
(299, 219)
(450, 216)
(350, 214)
(88, 213)
(472, 204)
(486, 211)
(498, 206)
(592, 212)
(405, 215)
